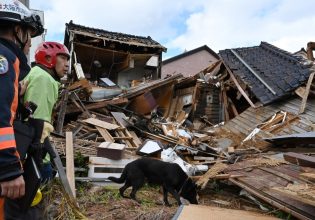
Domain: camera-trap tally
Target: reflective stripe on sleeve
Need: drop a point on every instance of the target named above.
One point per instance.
(7, 139)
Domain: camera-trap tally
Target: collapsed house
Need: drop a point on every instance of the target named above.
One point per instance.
(122, 58)
(280, 118)
(260, 88)
(256, 76)
(262, 94)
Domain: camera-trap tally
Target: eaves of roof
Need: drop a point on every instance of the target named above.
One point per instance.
(112, 36)
(188, 53)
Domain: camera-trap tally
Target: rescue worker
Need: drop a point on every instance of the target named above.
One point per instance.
(52, 63)
(17, 25)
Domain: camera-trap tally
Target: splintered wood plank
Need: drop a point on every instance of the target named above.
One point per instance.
(300, 159)
(225, 103)
(101, 104)
(205, 138)
(307, 91)
(101, 124)
(171, 111)
(203, 158)
(62, 111)
(297, 209)
(105, 134)
(123, 131)
(70, 162)
(239, 87)
(119, 116)
(135, 138)
(120, 133)
(301, 192)
(261, 181)
(300, 91)
(233, 107)
(309, 176)
(123, 138)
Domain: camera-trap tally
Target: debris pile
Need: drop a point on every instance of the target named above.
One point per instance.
(239, 122)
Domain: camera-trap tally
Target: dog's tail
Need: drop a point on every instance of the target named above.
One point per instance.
(121, 179)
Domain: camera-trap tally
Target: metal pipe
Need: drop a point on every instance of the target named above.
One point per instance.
(253, 72)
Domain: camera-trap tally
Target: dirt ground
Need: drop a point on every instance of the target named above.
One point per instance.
(104, 202)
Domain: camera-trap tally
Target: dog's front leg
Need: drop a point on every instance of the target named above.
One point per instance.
(165, 196)
(175, 194)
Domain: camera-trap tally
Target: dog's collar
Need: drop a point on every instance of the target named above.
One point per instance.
(181, 188)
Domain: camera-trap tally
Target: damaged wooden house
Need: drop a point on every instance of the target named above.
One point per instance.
(193, 95)
(258, 82)
(109, 58)
(268, 104)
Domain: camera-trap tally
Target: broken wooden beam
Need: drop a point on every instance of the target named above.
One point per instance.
(105, 134)
(98, 105)
(308, 176)
(219, 176)
(70, 162)
(100, 123)
(239, 87)
(305, 95)
(300, 159)
(62, 111)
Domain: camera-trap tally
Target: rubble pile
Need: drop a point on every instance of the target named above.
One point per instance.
(245, 120)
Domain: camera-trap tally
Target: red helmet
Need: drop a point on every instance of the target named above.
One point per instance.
(51, 49)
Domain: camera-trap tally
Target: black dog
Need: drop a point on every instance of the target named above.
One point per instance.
(170, 175)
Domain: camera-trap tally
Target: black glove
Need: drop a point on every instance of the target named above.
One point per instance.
(36, 147)
(38, 126)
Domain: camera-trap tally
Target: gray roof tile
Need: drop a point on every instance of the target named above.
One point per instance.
(279, 69)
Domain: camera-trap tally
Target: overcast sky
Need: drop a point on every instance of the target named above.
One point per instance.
(183, 25)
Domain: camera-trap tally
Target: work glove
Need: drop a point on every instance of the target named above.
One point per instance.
(36, 147)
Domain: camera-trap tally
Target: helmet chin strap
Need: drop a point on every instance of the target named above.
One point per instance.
(55, 75)
(22, 45)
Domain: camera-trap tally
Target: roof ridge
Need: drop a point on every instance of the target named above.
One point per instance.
(111, 32)
(190, 52)
(278, 51)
